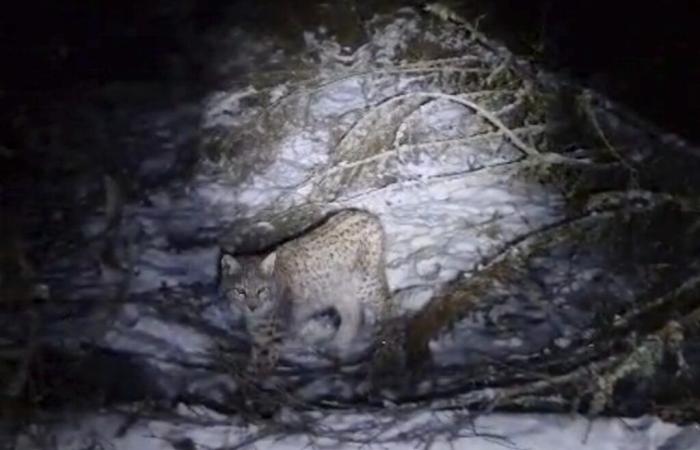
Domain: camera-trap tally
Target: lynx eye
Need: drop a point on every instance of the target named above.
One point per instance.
(240, 293)
(262, 293)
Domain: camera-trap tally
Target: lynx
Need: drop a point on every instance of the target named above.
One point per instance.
(337, 266)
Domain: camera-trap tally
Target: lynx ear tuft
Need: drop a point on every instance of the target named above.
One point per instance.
(268, 264)
(229, 265)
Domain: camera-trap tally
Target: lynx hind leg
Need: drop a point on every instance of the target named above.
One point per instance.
(373, 288)
(351, 318)
(373, 291)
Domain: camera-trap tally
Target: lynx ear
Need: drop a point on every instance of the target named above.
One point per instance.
(229, 265)
(268, 264)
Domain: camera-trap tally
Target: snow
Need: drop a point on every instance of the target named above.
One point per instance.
(485, 432)
(450, 199)
(446, 198)
(161, 268)
(146, 332)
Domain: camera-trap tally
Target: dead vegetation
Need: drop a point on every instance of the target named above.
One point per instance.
(618, 206)
(566, 140)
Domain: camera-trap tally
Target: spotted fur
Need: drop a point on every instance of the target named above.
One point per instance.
(339, 265)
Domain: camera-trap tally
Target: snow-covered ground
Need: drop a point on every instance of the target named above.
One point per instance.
(487, 432)
(437, 148)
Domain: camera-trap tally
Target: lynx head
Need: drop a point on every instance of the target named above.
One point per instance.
(247, 283)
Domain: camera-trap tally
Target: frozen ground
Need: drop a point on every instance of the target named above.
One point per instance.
(447, 150)
(489, 432)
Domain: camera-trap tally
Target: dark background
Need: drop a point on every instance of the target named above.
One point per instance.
(52, 52)
(644, 54)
